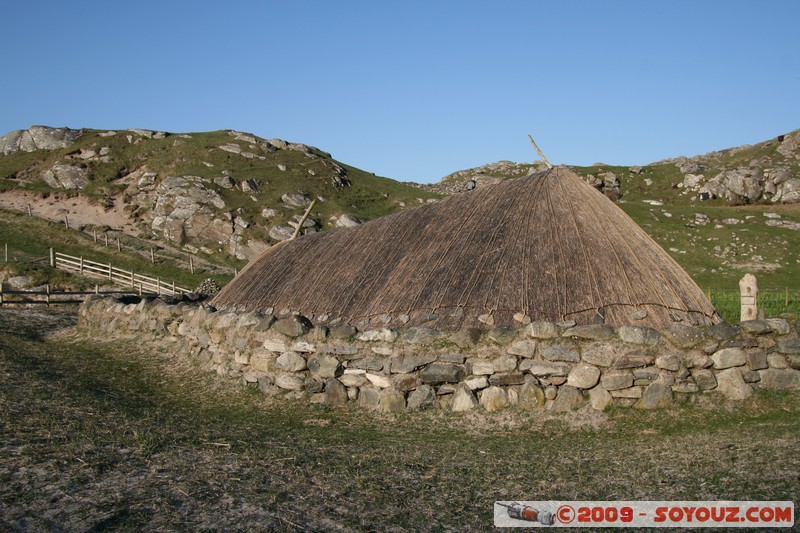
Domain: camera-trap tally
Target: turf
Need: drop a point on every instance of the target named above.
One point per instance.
(100, 435)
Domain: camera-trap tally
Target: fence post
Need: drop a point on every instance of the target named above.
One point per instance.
(47, 289)
(106, 235)
(152, 255)
(52, 258)
(81, 267)
(173, 288)
(748, 288)
(191, 265)
(66, 221)
(30, 213)
(109, 273)
(158, 285)
(94, 234)
(96, 288)
(6, 252)
(118, 247)
(131, 279)
(1, 294)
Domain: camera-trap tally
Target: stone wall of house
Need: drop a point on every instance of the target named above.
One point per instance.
(540, 365)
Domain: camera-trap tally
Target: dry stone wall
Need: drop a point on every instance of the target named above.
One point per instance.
(542, 365)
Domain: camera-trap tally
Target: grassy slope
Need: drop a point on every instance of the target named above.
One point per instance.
(109, 435)
(29, 241)
(368, 197)
(716, 257)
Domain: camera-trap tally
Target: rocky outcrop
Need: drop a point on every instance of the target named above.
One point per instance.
(38, 138)
(605, 182)
(183, 211)
(767, 177)
(346, 221)
(66, 177)
(746, 185)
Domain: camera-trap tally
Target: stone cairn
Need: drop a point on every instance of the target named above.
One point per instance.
(207, 288)
(556, 366)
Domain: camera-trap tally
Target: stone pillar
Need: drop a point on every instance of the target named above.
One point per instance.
(748, 287)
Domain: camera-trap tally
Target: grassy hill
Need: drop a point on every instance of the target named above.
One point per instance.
(242, 179)
(247, 173)
(716, 240)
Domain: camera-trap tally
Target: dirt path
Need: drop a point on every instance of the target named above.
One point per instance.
(79, 210)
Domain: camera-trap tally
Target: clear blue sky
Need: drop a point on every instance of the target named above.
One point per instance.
(414, 90)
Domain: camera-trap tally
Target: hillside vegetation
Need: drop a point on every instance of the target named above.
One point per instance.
(224, 196)
(720, 215)
(222, 192)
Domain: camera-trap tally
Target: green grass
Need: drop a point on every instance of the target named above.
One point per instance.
(119, 435)
(29, 241)
(367, 197)
(717, 255)
(772, 303)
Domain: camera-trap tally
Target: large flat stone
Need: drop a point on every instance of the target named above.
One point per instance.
(639, 335)
(732, 385)
(544, 368)
(560, 352)
(436, 373)
(728, 358)
(590, 332)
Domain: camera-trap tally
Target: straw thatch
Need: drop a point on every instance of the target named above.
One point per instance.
(548, 246)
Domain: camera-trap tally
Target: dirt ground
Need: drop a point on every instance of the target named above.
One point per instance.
(111, 434)
(78, 209)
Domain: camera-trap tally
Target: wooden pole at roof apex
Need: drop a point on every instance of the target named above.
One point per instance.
(539, 151)
(303, 219)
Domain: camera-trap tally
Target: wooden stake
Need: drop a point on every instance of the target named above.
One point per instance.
(118, 246)
(152, 255)
(94, 234)
(47, 289)
(541, 154)
(106, 240)
(305, 216)
(66, 221)
(52, 258)
(30, 212)
(191, 265)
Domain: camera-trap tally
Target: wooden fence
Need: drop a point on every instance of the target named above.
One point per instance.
(124, 278)
(47, 296)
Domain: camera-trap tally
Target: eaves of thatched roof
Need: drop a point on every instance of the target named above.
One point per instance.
(547, 246)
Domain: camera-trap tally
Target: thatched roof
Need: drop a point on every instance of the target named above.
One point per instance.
(548, 246)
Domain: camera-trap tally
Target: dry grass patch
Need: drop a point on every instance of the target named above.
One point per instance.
(116, 435)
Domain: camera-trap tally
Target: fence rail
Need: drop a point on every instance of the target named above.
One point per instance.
(772, 302)
(47, 296)
(119, 276)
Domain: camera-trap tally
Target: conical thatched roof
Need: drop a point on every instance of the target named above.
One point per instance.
(548, 246)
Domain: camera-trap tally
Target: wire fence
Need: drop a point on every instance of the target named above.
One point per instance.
(772, 302)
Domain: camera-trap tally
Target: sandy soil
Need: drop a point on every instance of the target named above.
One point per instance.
(79, 210)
